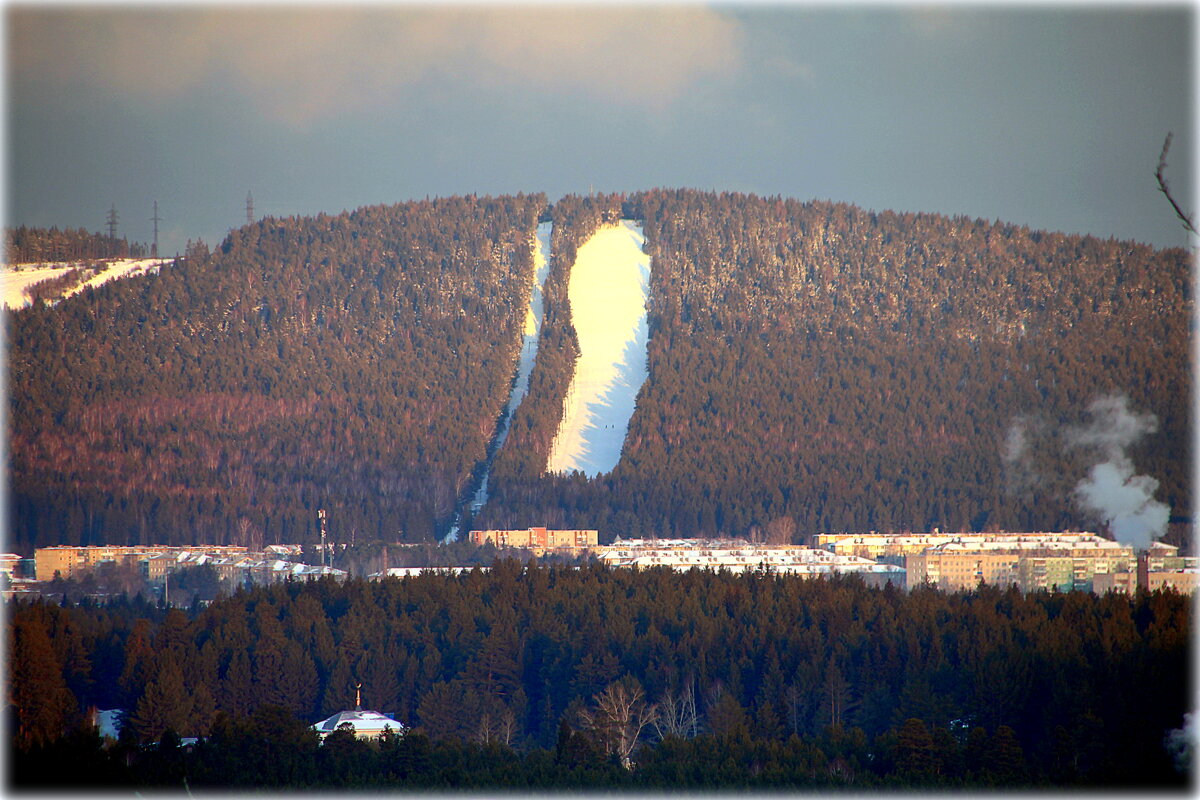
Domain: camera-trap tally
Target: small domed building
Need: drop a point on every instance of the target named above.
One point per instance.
(366, 724)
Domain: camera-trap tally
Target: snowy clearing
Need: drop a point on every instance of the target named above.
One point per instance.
(607, 291)
(18, 280)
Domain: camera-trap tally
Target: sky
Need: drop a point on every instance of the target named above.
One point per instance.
(1048, 116)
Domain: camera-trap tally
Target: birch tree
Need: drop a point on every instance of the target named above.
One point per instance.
(618, 718)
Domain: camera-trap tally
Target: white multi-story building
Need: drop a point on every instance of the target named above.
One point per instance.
(737, 555)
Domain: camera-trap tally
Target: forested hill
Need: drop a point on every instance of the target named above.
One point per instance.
(812, 366)
(355, 363)
(815, 366)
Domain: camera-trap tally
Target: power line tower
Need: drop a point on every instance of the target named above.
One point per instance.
(112, 229)
(155, 219)
(249, 209)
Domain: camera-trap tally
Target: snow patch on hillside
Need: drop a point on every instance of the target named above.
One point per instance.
(18, 280)
(16, 283)
(609, 285)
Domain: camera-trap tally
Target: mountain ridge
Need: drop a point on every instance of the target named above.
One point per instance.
(810, 361)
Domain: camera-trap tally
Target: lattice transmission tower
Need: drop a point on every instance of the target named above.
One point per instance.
(112, 230)
(155, 219)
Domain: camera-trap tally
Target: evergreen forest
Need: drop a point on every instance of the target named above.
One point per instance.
(813, 366)
(29, 245)
(818, 367)
(355, 363)
(539, 676)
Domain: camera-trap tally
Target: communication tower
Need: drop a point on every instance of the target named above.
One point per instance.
(249, 209)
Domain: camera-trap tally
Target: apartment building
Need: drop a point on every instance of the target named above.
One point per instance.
(1028, 561)
(68, 560)
(1156, 569)
(737, 555)
(888, 546)
(537, 539)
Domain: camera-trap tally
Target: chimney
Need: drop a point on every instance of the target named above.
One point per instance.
(1143, 570)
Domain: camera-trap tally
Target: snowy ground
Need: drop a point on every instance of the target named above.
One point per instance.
(17, 280)
(607, 291)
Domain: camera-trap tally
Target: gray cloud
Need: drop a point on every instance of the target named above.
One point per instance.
(302, 63)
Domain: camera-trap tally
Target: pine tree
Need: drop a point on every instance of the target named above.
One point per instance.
(165, 706)
(915, 751)
(139, 661)
(237, 694)
(1005, 759)
(37, 690)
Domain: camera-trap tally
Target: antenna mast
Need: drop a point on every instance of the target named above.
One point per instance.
(155, 219)
(249, 209)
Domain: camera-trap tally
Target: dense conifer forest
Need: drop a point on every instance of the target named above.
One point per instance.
(355, 363)
(553, 677)
(816, 367)
(813, 366)
(29, 245)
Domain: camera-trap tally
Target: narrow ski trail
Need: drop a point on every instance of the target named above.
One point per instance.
(534, 313)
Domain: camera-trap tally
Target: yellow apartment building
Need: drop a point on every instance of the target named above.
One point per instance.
(69, 560)
(1068, 566)
(537, 539)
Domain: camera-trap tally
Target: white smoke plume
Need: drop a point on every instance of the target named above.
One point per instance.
(1017, 457)
(1122, 499)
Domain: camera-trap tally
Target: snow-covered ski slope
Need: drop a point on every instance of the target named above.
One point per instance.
(529, 346)
(534, 313)
(608, 288)
(17, 281)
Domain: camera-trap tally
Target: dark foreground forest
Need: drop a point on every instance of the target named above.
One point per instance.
(813, 366)
(553, 677)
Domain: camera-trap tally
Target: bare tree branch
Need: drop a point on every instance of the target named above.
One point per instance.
(677, 714)
(1166, 189)
(620, 716)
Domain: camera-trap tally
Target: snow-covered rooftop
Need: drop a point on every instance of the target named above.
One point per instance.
(408, 572)
(366, 724)
(735, 556)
